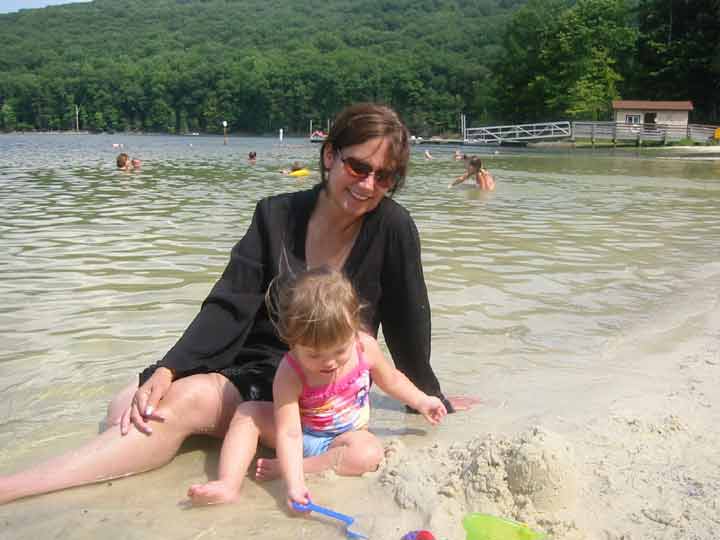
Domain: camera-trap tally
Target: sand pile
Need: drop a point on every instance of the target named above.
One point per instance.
(530, 478)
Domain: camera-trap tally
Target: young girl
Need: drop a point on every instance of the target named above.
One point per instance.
(474, 169)
(321, 395)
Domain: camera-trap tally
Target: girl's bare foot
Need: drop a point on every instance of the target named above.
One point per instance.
(217, 492)
(267, 469)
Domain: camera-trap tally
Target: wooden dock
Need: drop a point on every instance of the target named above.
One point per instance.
(640, 133)
(594, 131)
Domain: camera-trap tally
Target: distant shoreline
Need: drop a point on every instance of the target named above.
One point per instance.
(152, 133)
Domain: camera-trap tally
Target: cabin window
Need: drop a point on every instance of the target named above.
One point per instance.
(632, 118)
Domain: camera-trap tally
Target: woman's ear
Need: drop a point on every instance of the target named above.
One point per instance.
(328, 156)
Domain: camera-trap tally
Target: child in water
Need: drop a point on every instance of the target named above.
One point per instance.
(124, 162)
(321, 396)
(474, 168)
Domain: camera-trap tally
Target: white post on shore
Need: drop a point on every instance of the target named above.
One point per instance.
(77, 118)
(224, 131)
(311, 130)
(281, 134)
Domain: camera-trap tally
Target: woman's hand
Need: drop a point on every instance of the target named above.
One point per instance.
(145, 401)
(463, 403)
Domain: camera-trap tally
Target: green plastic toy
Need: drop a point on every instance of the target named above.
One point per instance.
(487, 527)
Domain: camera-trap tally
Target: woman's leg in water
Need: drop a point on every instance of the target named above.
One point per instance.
(120, 403)
(200, 404)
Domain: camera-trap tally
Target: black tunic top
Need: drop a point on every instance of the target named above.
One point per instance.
(233, 335)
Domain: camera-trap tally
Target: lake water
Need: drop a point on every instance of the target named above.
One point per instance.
(534, 284)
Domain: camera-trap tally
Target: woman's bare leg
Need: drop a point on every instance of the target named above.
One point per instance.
(351, 454)
(199, 404)
(120, 403)
(253, 421)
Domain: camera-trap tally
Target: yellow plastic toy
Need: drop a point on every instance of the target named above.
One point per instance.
(487, 527)
(300, 172)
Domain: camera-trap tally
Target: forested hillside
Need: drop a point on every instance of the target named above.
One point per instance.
(186, 65)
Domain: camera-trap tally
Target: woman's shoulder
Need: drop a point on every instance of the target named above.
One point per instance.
(290, 200)
(290, 196)
(392, 212)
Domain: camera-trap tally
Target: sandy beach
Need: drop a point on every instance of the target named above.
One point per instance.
(629, 454)
(624, 451)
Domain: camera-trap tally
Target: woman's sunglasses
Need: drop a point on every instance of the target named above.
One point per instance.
(361, 170)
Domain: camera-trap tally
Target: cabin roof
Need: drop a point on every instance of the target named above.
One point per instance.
(653, 105)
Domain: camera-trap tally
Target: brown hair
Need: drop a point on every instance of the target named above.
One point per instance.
(361, 122)
(122, 160)
(319, 309)
(476, 163)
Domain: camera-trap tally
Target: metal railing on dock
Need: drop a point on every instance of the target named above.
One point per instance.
(518, 133)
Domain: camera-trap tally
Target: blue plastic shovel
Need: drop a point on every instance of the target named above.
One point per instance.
(348, 520)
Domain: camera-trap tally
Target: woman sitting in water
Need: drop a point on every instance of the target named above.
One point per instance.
(474, 168)
(230, 351)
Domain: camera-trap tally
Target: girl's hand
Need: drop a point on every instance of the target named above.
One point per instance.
(300, 496)
(145, 401)
(433, 410)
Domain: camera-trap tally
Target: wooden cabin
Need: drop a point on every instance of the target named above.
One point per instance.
(670, 113)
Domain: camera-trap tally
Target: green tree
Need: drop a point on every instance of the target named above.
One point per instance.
(523, 71)
(566, 60)
(591, 95)
(8, 118)
(680, 54)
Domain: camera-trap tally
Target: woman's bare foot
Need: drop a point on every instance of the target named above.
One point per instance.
(217, 492)
(267, 469)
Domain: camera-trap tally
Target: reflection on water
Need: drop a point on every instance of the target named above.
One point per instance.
(101, 270)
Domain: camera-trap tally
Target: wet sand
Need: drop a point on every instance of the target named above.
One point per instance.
(624, 451)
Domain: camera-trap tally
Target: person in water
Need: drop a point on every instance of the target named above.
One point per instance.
(229, 353)
(123, 161)
(474, 169)
(319, 417)
(296, 166)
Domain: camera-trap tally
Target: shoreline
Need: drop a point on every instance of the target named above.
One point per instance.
(634, 457)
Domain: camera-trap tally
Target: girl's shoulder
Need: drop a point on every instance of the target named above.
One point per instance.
(289, 374)
(369, 347)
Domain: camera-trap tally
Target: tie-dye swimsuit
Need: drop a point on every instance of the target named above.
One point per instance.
(330, 410)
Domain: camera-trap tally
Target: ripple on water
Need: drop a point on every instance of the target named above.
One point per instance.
(101, 271)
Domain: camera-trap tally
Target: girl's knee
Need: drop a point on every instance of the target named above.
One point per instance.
(363, 455)
(373, 457)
